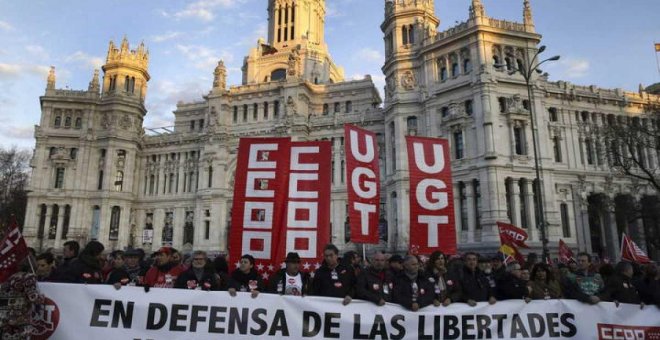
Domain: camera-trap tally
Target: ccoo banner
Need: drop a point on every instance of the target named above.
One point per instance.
(431, 196)
(363, 184)
(281, 201)
(101, 312)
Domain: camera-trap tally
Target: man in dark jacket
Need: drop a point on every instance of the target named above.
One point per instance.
(471, 285)
(333, 279)
(200, 275)
(86, 268)
(290, 280)
(584, 285)
(373, 283)
(411, 289)
(118, 275)
(619, 287)
(245, 278)
(511, 286)
(133, 266)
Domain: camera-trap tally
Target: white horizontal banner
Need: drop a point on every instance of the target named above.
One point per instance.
(101, 312)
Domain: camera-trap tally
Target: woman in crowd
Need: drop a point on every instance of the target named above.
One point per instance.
(543, 283)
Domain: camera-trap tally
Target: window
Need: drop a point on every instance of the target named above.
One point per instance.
(114, 223)
(100, 183)
(502, 102)
(59, 178)
(51, 152)
(210, 180)
(152, 182)
(342, 172)
(458, 144)
(58, 121)
(52, 226)
(444, 111)
(119, 181)
(523, 202)
(235, 114)
(509, 64)
(189, 228)
(477, 203)
(404, 34)
(443, 73)
(454, 69)
(277, 75)
(496, 60)
(201, 124)
(207, 230)
(66, 221)
(265, 110)
(337, 107)
(67, 122)
(588, 145)
(520, 64)
(42, 221)
(245, 113)
(78, 123)
(556, 146)
(525, 104)
(552, 113)
(349, 106)
(411, 123)
(519, 139)
(509, 198)
(467, 66)
(463, 201)
(127, 83)
(73, 154)
(276, 109)
(565, 223)
(325, 109)
(171, 184)
(468, 107)
(535, 196)
(192, 125)
(393, 146)
(255, 112)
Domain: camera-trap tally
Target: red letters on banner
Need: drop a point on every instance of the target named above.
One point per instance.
(363, 184)
(281, 201)
(431, 196)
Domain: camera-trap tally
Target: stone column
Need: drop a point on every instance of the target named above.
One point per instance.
(469, 194)
(457, 211)
(612, 242)
(516, 217)
(60, 223)
(531, 212)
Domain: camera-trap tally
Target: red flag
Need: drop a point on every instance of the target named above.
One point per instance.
(516, 236)
(565, 253)
(431, 196)
(508, 247)
(631, 252)
(363, 183)
(13, 250)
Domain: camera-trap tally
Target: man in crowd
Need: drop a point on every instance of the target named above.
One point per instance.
(511, 286)
(497, 266)
(290, 280)
(45, 267)
(164, 272)
(583, 285)
(333, 279)
(395, 263)
(200, 275)
(411, 289)
(118, 275)
(471, 285)
(373, 283)
(487, 268)
(133, 266)
(70, 251)
(86, 268)
(246, 278)
(620, 288)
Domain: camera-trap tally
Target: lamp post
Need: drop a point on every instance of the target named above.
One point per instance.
(527, 69)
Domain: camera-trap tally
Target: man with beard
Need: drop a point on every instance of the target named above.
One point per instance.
(473, 286)
(290, 281)
(86, 268)
(373, 283)
(200, 275)
(411, 289)
(487, 268)
(333, 279)
(246, 278)
(164, 272)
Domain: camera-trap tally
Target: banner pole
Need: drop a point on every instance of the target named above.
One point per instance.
(364, 252)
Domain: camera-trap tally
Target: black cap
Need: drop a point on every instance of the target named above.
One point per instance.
(292, 257)
(396, 258)
(132, 252)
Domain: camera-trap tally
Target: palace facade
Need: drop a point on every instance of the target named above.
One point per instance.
(99, 174)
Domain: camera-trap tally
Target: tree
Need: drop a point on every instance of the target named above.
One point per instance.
(634, 147)
(14, 175)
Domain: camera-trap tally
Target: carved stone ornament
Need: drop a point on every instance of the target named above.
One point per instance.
(106, 121)
(408, 80)
(125, 122)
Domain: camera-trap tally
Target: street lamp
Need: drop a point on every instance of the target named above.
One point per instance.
(527, 68)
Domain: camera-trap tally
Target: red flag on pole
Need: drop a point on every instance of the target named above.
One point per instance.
(508, 247)
(565, 253)
(516, 236)
(13, 250)
(631, 252)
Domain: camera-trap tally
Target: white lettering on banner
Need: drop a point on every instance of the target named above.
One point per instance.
(295, 158)
(101, 312)
(441, 198)
(367, 157)
(258, 156)
(433, 223)
(263, 238)
(302, 213)
(308, 236)
(294, 192)
(12, 240)
(370, 185)
(263, 211)
(420, 159)
(310, 209)
(252, 191)
(516, 236)
(365, 210)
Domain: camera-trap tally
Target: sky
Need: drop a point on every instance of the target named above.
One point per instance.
(608, 43)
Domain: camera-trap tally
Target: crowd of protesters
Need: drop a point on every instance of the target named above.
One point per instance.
(411, 281)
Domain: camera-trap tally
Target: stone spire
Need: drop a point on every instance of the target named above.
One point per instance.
(50, 83)
(528, 20)
(94, 85)
(220, 77)
(477, 9)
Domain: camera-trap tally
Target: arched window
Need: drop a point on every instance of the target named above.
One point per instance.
(520, 64)
(66, 221)
(509, 63)
(67, 122)
(467, 66)
(454, 69)
(58, 121)
(265, 110)
(404, 34)
(52, 226)
(412, 125)
(78, 123)
(132, 88)
(411, 34)
(73, 154)
(502, 102)
(277, 75)
(114, 223)
(496, 60)
(245, 113)
(119, 181)
(443, 73)
(42, 221)
(127, 83)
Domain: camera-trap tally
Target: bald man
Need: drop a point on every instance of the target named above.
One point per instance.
(373, 284)
(411, 289)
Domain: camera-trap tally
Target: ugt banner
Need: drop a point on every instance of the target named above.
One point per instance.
(101, 312)
(281, 201)
(432, 224)
(363, 183)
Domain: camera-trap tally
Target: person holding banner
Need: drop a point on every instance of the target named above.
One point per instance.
(584, 285)
(333, 279)
(245, 278)
(619, 288)
(373, 283)
(436, 271)
(649, 285)
(200, 275)
(164, 272)
(471, 285)
(290, 280)
(412, 289)
(543, 284)
(86, 268)
(512, 286)
(118, 275)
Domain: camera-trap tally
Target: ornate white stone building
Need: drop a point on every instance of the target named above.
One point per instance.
(98, 175)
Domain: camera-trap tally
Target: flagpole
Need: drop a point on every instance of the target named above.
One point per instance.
(623, 238)
(657, 61)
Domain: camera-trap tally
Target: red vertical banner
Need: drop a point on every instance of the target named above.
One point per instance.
(260, 191)
(307, 221)
(363, 176)
(432, 224)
